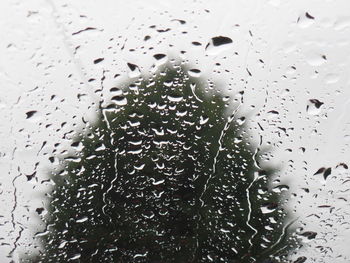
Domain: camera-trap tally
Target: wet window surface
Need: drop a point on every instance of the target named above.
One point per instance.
(161, 132)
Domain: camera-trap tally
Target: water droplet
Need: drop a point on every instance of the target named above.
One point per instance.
(196, 43)
(309, 235)
(82, 220)
(195, 73)
(300, 260)
(327, 172)
(30, 114)
(241, 121)
(314, 107)
(319, 171)
(160, 59)
(119, 100)
(218, 44)
(280, 188)
(316, 59)
(159, 56)
(344, 165)
(269, 208)
(75, 257)
(305, 20)
(134, 70)
(116, 91)
(98, 60)
(175, 98)
(203, 120)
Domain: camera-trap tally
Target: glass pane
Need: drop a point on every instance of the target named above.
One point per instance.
(195, 131)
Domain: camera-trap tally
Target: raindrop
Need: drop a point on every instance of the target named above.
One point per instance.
(307, 15)
(220, 40)
(314, 107)
(116, 90)
(39, 210)
(309, 235)
(269, 208)
(196, 73)
(159, 56)
(30, 176)
(119, 100)
(82, 220)
(74, 257)
(134, 70)
(30, 114)
(319, 171)
(83, 30)
(218, 44)
(241, 121)
(344, 165)
(316, 59)
(280, 188)
(196, 43)
(98, 60)
(182, 22)
(175, 98)
(160, 59)
(300, 260)
(203, 120)
(305, 20)
(327, 172)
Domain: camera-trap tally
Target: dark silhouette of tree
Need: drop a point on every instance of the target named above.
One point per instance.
(165, 174)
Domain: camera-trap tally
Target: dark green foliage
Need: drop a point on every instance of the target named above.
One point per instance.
(167, 177)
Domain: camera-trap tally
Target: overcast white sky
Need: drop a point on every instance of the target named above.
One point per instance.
(305, 56)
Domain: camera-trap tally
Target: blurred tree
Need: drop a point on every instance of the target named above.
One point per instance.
(165, 174)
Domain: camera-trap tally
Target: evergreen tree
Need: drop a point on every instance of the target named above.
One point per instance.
(165, 174)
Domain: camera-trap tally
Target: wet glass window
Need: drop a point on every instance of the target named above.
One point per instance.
(155, 131)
